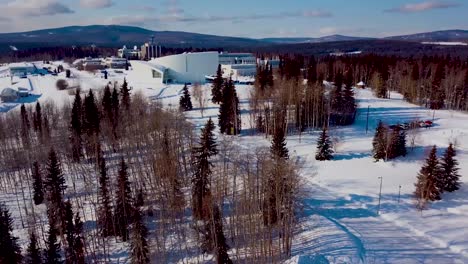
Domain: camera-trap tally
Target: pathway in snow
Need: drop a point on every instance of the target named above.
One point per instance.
(343, 230)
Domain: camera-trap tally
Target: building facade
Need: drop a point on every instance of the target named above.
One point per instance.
(150, 51)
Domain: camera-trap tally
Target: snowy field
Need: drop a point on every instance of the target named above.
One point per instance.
(340, 221)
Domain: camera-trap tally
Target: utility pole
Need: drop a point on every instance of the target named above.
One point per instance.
(380, 195)
(399, 193)
(367, 121)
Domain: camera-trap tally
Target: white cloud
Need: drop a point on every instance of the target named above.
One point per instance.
(96, 3)
(18, 8)
(423, 6)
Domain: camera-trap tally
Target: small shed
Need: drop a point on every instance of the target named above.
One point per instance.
(361, 85)
(9, 95)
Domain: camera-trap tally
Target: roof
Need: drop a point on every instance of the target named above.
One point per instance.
(21, 65)
(153, 65)
(361, 83)
(9, 92)
(236, 55)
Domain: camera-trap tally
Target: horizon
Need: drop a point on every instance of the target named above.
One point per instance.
(300, 19)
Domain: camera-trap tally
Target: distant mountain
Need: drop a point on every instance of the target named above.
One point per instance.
(331, 38)
(435, 36)
(117, 36)
(114, 36)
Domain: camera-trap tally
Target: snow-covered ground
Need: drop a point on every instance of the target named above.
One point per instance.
(455, 43)
(340, 222)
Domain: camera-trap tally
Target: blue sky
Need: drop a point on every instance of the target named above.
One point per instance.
(245, 18)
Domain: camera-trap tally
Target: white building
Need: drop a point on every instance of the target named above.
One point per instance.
(22, 69)
(116, 63)
(181, 68)
(239, 70)
(130, 54)
(236, 58)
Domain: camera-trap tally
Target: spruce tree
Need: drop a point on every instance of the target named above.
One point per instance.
(55, 186)
(76, 128)
(428, 181)
(115, 111)
(185, 102)
(38, 190)
(107, 108)
(217, 86)
(222, 247)
(402, 143)
(139, 241)
(91, 118)
(324, 147)
(52, 253)
(278, 147)
(33, 255)
(200, 180)
(379, 142)
(450, 175)
(10, 250)
(25, 126)
(69, 228)
(37, 120)
(105, 207)
(79, 249)
(124, 203)
(125, 94)
(229, 113)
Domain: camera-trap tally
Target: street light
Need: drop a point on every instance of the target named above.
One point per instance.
(399, 193)
(380, 195)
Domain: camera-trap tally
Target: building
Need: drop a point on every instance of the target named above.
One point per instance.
(180, 68)
(236, 58)
(361, 85)
(150, 51)
(129, 54)
(22, 69)
(9, 95)
(239, 70)
(116, 63)
(90, 64)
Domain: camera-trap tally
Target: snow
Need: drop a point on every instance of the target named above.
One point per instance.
(340, 222)
(446, 43)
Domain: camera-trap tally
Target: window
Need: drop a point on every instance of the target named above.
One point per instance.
(156, 74)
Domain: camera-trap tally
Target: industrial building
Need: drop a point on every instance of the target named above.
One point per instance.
(115, 63)
(180, 68)
(150, 51)
(22, 69)
(236, 58)
(129, 54)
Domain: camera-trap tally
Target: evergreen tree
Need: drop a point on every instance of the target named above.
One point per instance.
(79, 250)
(55, 186)
(139, 242)
(115, 111)
(125, 94)
(229, 113)
(52, 253)
(401, 150)
(69, 228)
(379, 142)
(217, 86)
(349, 102)
(450, 175)
(428, 181)
(200, 181)
(33, 252)
(312, 71)
(105, 207)
(11, 251)
(25, 125)
(437, 95)
(124, 203)
(324, 147)
(278, 147)
(38, 190)
(107, 108)
(76, 127)
(91, 118)
(222, 247)
(185, 101)
(37, 119)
